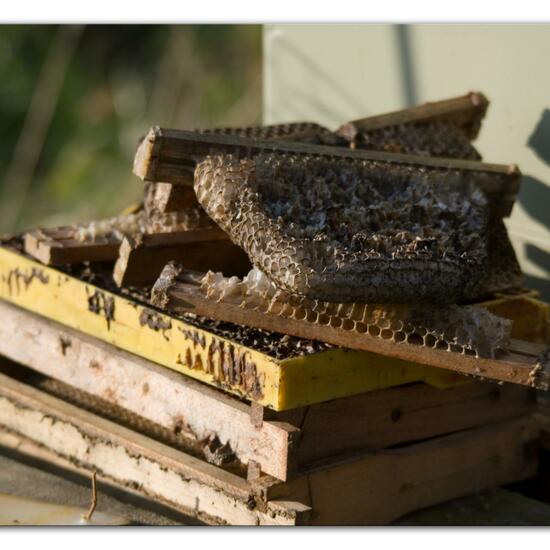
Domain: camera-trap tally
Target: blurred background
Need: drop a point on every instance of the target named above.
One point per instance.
(74, 101)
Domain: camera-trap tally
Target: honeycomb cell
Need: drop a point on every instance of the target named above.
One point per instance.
(351, 231)
(463, 329)
(433, 138)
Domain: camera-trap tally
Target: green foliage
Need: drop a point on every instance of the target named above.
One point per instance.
(120, 80)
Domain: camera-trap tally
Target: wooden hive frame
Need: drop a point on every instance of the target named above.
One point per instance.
(465, 112)
(58, 247)
(280, 443)
(141, 260)
(248, 373)
(167, 155)
(377, 488)
(50, 428)
(198, 353)
(374, 487)
(522, 363)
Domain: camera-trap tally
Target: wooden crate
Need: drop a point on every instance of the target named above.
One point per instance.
(372, 487)
(281, 443)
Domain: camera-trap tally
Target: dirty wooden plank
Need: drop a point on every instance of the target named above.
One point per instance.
(132, 460)
(465, 112)
(167, 155)
(168, 398)
(141, 260)
(280, 512)
(512, 367)
(401, 415)
(58, 247)
(383, 486)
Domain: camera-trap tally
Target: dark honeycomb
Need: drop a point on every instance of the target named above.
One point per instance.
(346, 231)
(434, 138)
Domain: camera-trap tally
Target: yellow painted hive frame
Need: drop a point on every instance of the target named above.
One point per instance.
(279, 384)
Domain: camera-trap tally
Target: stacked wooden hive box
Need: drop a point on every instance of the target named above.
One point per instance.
(234, 416)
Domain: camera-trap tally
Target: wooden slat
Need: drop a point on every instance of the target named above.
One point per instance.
(281, 512)
(401, 415)
(62, 245)
(167, 155)
(288, 440)
(185, 147)
(132, 460)
(52, 247)
(508, 367)
(381, 487)
(465, 112)
(141, 260)
(142, 256)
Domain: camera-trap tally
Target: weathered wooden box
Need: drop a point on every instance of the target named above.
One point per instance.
(358, 438)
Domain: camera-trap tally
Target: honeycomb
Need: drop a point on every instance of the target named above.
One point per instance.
(111, 228)
(191, 217)
(503, 273)
(194, 217)
(351, 231)
(433, 138)
(134, 224)
(179, 220)
(306, 132)
(463, 329)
